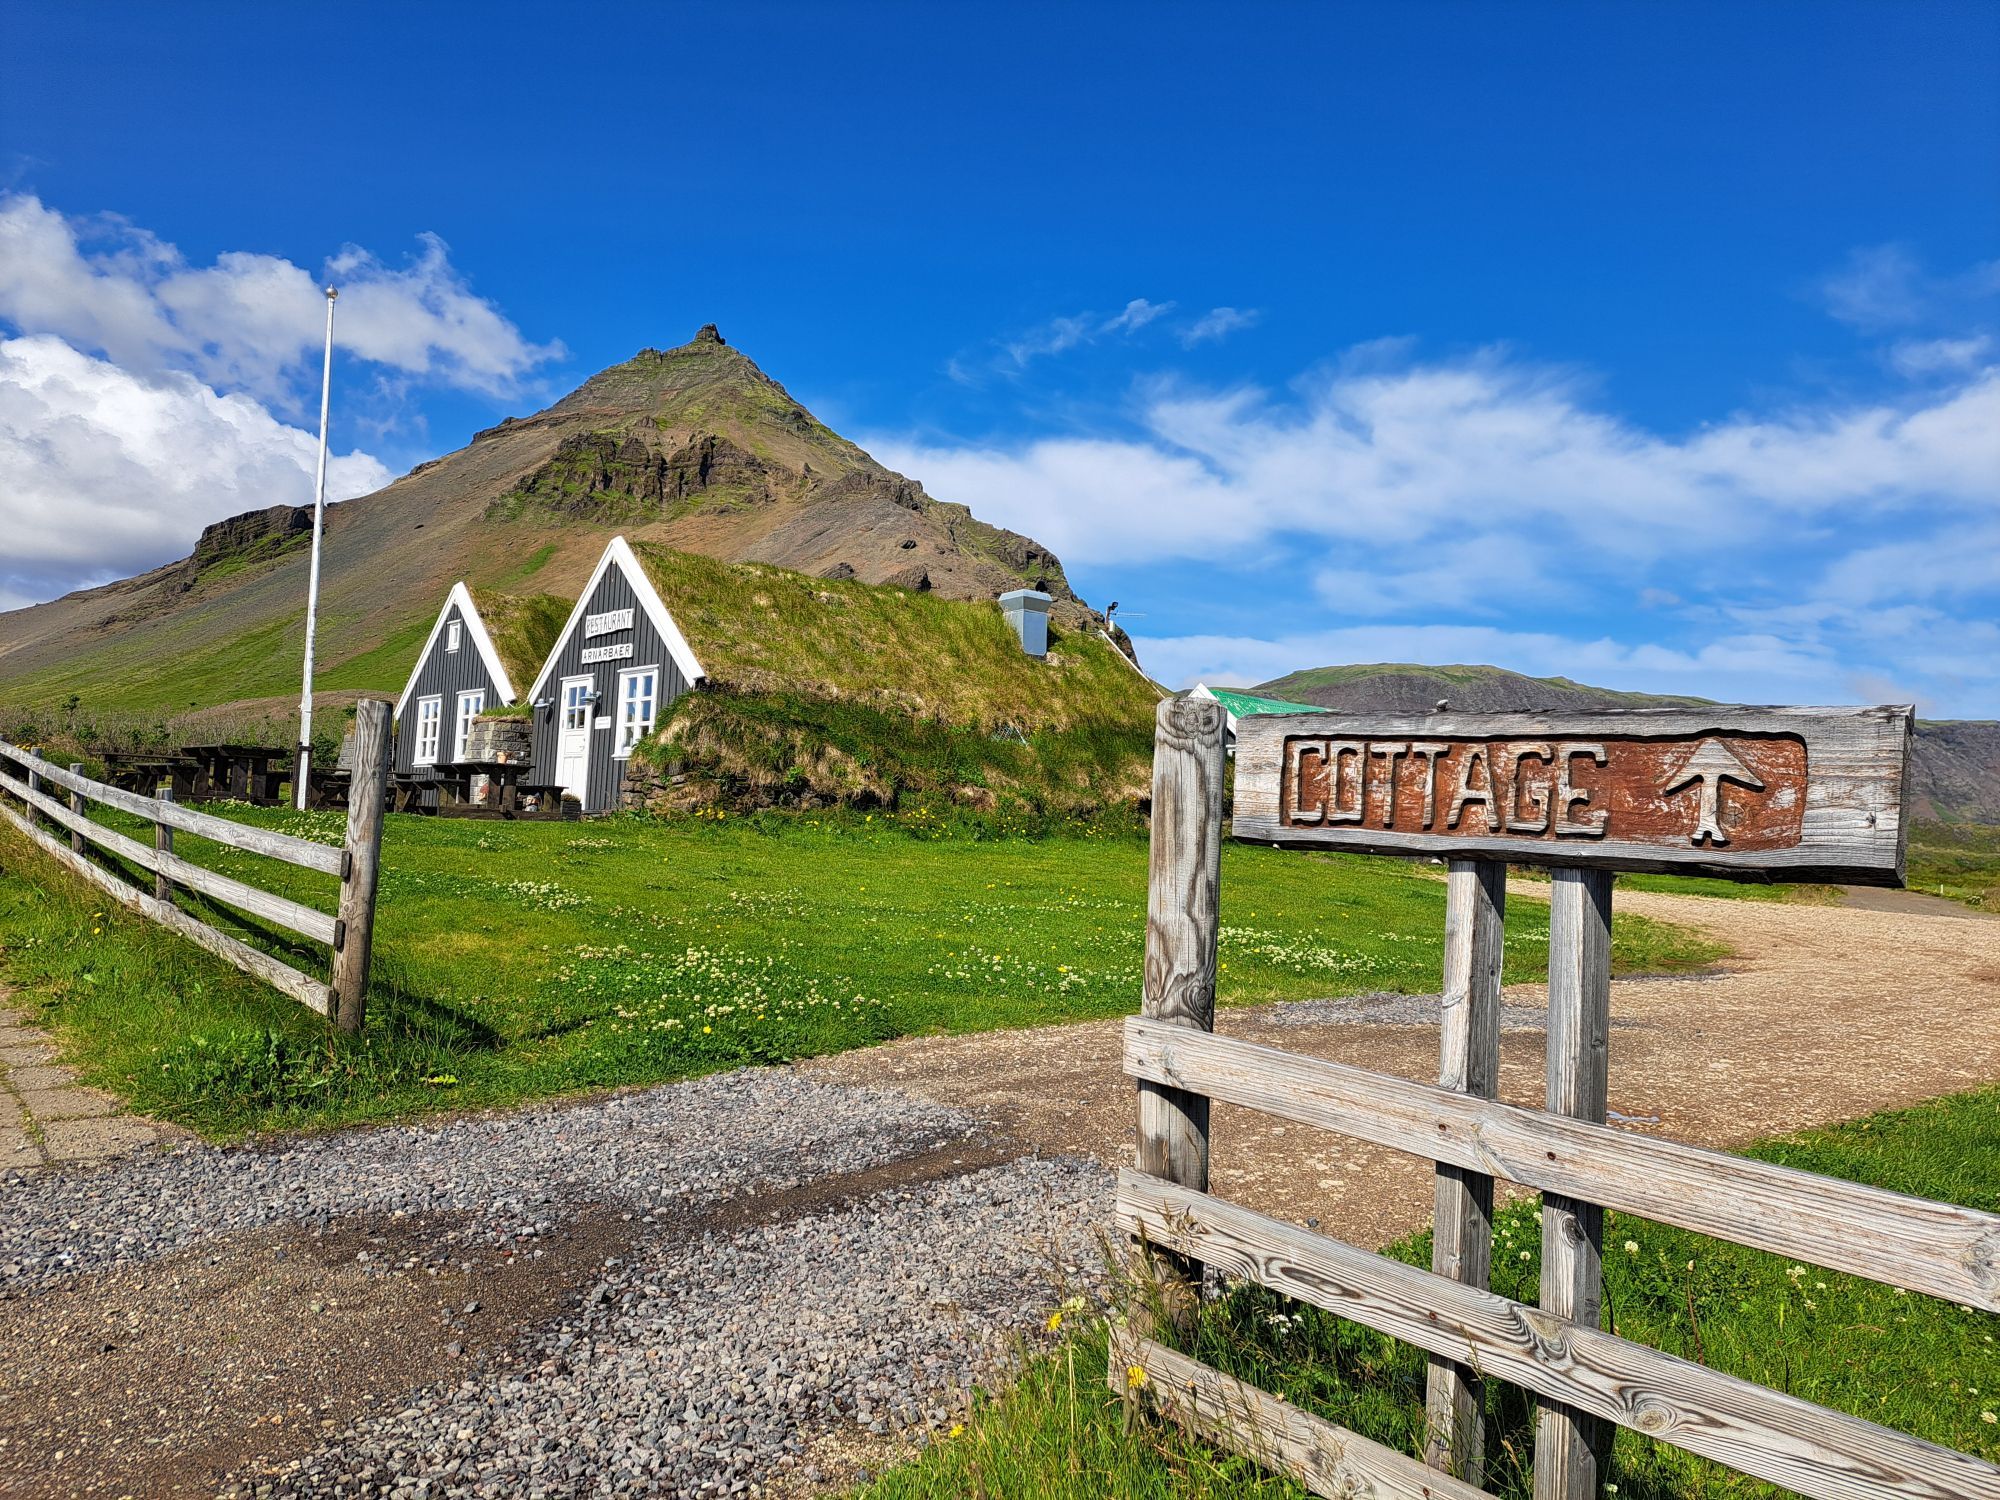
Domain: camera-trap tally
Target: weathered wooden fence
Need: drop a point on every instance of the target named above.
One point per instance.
(1586, 1379)
(348, 932)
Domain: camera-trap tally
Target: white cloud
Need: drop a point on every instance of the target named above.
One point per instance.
(1920, 357)
(1217, 323)
(1880, 286)
(249, 321)
(1138, 313)
(1057, 336)
(1382, 461)
(104, 472)
(1883, 287)
(1802, 549)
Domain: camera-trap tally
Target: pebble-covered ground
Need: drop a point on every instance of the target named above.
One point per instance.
(775, 1282)
(705, 1367)
(694, 1143)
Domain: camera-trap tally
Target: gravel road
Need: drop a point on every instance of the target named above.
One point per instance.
(668, 1292)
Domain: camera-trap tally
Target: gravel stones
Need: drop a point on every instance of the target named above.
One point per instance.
(754, 1305)
(1383, 1008)
(705, 1365)
(686, 1146)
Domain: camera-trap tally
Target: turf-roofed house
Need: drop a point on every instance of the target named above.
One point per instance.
(616, 666)
(482, 650)
(683, 681)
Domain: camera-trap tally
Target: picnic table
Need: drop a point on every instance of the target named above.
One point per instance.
(144, 771)
(248, 773)
(507, 794)
(457, 797)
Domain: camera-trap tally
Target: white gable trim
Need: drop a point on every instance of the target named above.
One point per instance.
(481, 642)
(619, 554)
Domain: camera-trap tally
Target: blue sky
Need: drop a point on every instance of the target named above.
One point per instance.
(1654, 345)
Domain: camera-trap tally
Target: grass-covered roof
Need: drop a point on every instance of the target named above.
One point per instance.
(758, 628)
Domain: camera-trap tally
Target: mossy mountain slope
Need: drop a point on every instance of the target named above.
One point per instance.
(694, 448)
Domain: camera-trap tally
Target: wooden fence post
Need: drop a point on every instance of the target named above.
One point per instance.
(1571, 1446)
(76, 806)
(34, 784)
(355, 940)
(163, 841)
(1182, 921)
(1469, 1061)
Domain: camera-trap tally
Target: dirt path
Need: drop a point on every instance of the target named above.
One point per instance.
(1826, 1012)
(1912, 903)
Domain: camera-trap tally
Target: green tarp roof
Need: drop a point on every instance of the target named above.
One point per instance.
(1239, 704)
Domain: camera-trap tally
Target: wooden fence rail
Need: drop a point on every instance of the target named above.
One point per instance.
(348, 932)
(1914, 1243)
(1586, 1381)
(1807, 1448)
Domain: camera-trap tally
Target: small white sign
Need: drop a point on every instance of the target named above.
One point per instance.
(604, 624)
(620, 652)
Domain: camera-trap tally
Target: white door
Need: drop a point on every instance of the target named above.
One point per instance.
(573, 710)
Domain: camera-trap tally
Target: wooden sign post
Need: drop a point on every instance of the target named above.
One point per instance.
(1742, 793)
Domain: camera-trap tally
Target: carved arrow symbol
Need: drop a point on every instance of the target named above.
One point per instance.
(1711, 765)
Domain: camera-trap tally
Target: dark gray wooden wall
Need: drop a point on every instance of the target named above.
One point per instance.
(607, 775)
(445, 674)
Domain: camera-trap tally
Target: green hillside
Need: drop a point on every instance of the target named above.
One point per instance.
(1471, 688)
(693, 448)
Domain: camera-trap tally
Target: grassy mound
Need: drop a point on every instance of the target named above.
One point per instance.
(830, 692)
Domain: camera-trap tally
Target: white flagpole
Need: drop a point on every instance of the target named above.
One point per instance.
(302, 774)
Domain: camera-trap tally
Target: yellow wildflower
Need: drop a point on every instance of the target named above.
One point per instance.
(1135, 1377)
(956, 1429)
(1055, 1321)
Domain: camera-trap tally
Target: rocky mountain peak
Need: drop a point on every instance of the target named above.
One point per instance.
(708, 333)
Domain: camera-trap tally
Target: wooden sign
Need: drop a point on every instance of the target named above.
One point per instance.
(1744, 793)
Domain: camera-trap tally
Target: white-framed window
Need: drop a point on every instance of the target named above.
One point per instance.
(577, 692)
(453, 633)
(638, 707)
(469, 705)
(430, 722)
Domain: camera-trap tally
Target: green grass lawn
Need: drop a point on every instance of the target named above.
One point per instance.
(1957, 860)
(1906, 1361)
(524, 959)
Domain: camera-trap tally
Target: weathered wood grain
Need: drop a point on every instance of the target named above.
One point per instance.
(1573, 1446)
(281, 910)
(367, 792)
(1322, 1456)
(1819, 1453)
(34, 781)
(273, 845)
(1938, 1248)
(282, 977)
(76, 807)
(1852, 827)
(163, 843)
(1182, 896)
(1469, 1063)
